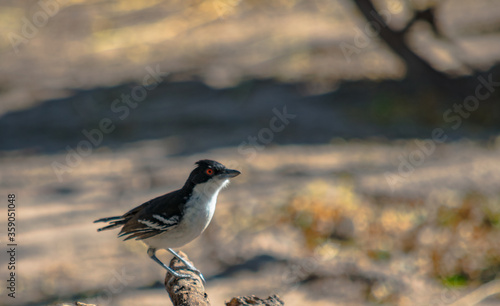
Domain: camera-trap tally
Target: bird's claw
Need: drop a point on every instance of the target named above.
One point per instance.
(179, 275)
(199, 274)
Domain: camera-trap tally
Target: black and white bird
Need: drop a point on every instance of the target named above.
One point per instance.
(176, 218)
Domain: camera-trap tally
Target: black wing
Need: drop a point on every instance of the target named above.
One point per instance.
(154, 217)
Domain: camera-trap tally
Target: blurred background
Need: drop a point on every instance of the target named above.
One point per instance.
(367, 131)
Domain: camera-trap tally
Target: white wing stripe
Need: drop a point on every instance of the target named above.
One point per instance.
(152, 224)
(167, 222)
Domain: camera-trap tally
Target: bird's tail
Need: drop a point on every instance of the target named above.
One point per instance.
(114, 222)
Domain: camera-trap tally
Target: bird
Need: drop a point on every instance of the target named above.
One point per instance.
(176, 218)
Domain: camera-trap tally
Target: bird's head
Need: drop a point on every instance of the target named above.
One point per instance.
(211, 172)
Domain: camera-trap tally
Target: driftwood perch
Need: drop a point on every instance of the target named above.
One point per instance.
(190, 291)
(255, 301)
(185, 291)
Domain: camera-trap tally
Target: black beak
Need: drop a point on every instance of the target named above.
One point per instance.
(229, 173)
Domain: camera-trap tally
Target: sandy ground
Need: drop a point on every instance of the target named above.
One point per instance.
(62, 258)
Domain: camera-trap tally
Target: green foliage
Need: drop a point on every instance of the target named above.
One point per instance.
(454, 281)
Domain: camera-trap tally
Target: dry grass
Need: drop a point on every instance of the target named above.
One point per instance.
(455, 242)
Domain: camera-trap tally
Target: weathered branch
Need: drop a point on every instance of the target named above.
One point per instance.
(185, 291)
(252, 300)
(190, 291)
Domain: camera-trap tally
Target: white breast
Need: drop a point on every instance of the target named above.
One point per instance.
(198, 213)
(201, 208)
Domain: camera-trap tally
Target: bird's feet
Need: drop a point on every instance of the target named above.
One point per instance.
(188, 265)
(193, 269)
(190, 268)
(179, 275)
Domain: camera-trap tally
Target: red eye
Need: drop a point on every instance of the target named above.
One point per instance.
(209, 171)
